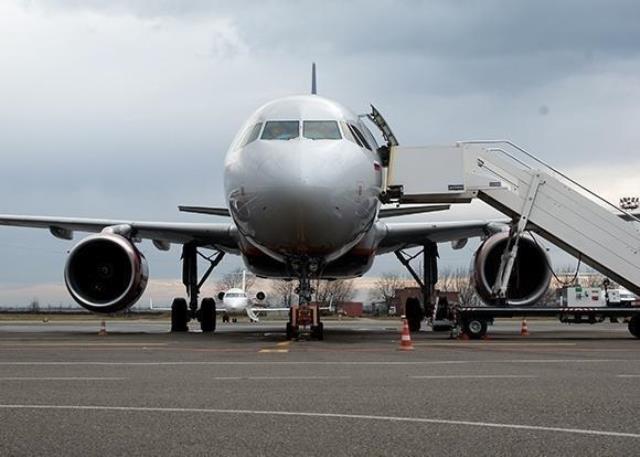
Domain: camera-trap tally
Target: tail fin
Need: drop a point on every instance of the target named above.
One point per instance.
(314, 87)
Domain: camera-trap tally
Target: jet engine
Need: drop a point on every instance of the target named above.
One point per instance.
(260, 296)
(106, 273)
(530, 276)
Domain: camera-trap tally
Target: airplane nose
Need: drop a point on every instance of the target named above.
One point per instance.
(312, 204)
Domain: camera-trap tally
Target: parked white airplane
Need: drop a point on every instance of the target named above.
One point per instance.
(304, 187)
(235, 302)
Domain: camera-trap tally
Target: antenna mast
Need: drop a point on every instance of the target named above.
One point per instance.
(314, 87)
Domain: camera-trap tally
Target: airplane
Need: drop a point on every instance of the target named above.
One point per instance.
(236, 302)
(303, 184)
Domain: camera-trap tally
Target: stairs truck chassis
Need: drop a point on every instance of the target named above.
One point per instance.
(538, 199)
(474, 321)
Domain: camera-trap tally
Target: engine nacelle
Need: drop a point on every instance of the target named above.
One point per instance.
(530, 276)
(260, 296)
(220, 295)
(106, 273)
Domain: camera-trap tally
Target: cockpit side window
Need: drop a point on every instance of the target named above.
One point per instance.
(358, 134)
(348, 133)
(369, 136)
(281, 130)
(252, 135)
(321, 130)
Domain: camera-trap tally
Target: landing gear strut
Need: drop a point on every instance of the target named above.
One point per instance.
(304, 314)
(427, 283)
(181, 311)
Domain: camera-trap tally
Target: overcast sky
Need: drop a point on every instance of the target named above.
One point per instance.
(125, 109)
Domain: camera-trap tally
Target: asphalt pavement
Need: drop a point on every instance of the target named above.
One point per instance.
(564, 390)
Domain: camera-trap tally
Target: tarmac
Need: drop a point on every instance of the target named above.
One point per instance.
(564, 390)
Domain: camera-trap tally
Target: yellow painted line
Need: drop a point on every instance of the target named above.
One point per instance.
(283, 343)
(274, 350)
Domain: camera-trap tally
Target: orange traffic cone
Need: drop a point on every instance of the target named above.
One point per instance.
(524, 331)
(405, 338)
(103, 329)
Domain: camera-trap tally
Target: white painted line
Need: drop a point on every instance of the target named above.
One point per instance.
(418, 420)
(58, 378)
(328, 363)
(268, 378)
(274, 378)
(475, 376)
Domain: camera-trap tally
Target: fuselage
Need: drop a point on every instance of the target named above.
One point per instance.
(302, 180)
(235, 301)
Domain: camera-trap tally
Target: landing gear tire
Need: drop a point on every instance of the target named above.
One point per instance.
(317, 332)
(179, 315)
(634, 326)
(208, 315)
(292, 332)
(475, 328)
(413, 312)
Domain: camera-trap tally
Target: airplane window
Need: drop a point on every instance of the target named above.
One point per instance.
(253, 134)
(321, 130)
(348, 134)
(281, 130)
(360, 137)
(369, 136)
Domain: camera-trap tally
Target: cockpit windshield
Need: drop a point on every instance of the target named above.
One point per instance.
(281, 130)
(234, 295)
(321, 130)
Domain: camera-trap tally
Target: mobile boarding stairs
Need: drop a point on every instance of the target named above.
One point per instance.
(534, 195)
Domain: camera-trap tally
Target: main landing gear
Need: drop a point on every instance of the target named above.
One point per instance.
(305, 314)
(181, 311)
(413, 310)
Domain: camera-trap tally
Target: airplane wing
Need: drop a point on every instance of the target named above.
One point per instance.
(258, 309)
(215, 235)
(402, 235)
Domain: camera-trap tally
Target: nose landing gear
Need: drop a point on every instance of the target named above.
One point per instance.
(305, 314)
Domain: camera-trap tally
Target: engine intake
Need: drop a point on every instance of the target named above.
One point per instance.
(105, 273)
(530, 276)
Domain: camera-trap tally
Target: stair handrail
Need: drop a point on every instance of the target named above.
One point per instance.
(542, 162)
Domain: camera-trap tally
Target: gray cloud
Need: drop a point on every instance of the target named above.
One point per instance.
(125, 108)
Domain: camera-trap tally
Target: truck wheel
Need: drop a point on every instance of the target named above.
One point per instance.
(292, 332)
(475, 328)
(414, 315)
(317, 332)
(634, 326)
